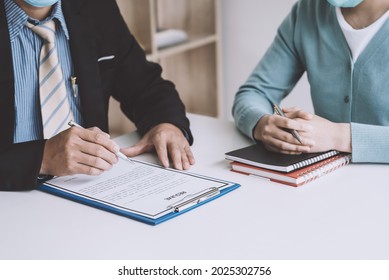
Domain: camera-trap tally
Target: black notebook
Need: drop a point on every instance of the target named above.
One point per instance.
(258, 155)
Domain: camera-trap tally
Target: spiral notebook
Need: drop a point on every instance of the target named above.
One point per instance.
(258, 155)
(298, 177)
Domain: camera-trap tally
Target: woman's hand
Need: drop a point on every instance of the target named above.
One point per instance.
(274, 132)
(326, 135)
(317, 134)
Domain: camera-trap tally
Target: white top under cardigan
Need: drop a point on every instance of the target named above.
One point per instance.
(357, 39)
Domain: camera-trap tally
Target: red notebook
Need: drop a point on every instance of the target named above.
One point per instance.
(298, 177)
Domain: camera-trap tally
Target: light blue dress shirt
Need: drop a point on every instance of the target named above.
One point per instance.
(311, 40)
(26, 47)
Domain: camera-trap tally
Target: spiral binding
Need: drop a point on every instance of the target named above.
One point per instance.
(325, 167)
(314, 160)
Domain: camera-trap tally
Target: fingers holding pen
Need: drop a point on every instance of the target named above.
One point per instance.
(275, 132)
(297, 113)
(287, 123)
(97, 144)
(95, 135)
(296, 127)
(78, 151)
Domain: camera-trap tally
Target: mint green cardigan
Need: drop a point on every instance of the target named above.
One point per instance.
(310, 39)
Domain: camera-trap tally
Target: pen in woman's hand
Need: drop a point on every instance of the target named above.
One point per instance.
(118, 153)
(279, 112)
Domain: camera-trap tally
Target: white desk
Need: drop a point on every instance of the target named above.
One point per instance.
(343, 215)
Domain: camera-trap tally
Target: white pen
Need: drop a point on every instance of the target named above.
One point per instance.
(118, 154)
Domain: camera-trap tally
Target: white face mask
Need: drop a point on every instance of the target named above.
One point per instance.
(41, 3)
(345, 3)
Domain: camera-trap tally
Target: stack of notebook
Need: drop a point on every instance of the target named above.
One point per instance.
(293, 170)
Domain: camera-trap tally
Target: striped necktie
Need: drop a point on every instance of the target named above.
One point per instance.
(55, 105)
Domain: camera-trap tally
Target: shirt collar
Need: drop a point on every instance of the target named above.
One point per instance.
(17, 18)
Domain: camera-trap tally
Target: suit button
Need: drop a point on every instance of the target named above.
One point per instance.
(346, 99)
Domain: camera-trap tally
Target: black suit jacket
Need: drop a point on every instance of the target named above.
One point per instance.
(96, 30)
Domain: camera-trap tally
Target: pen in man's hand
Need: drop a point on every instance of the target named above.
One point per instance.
(279, 112)
(118, 153)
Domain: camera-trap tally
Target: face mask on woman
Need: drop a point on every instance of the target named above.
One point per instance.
(345, 3)
(41, 3)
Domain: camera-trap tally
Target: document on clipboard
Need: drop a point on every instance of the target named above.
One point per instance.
(142, 191)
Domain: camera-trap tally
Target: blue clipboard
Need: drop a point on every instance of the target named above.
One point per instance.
(176, 209)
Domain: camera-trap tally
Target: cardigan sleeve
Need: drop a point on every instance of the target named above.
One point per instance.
(369, 143)
(272, 80)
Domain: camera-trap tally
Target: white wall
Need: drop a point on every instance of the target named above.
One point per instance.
(248, 28)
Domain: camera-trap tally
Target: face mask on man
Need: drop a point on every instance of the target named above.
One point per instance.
(345, 3)
(41, 3)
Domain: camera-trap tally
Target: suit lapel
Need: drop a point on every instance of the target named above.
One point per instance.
(7, 111)
(84, 56)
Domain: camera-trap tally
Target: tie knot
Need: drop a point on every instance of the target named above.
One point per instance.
(46, 31)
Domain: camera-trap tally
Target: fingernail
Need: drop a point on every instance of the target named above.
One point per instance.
(186, 165)
(308, 127)
(165, 164)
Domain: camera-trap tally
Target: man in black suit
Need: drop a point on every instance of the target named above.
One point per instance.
(96, 29)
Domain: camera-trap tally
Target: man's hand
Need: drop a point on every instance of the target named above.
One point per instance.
(168, 141)
(273, 131)
(79, 151)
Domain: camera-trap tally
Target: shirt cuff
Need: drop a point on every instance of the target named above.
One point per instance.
(43, 178)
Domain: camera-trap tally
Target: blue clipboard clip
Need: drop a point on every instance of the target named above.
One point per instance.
(193, 199)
